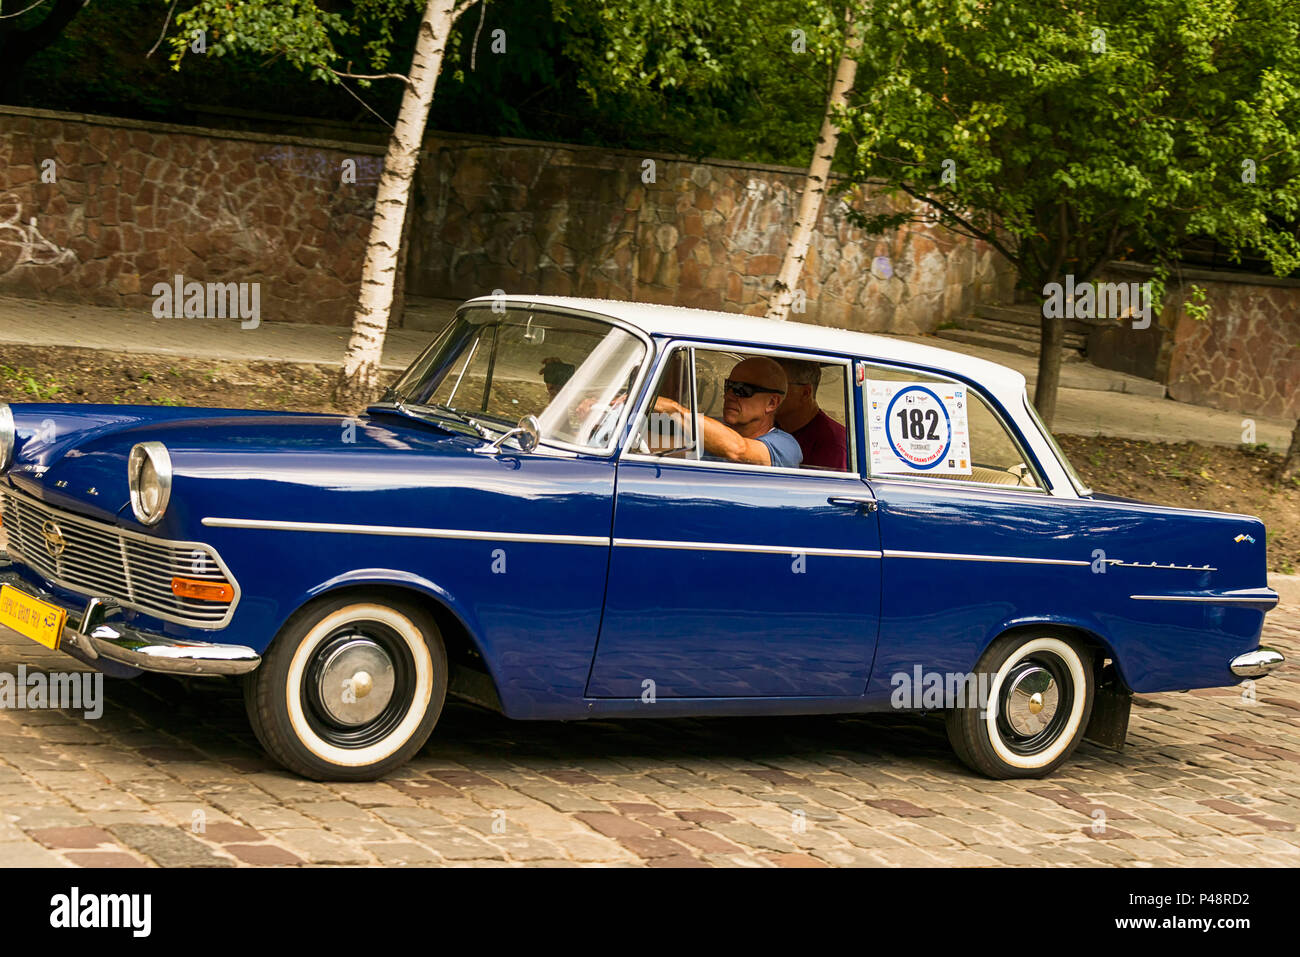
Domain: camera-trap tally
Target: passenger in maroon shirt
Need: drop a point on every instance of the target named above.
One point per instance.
(822, 439)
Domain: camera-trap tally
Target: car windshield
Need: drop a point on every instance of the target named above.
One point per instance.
(491, 368)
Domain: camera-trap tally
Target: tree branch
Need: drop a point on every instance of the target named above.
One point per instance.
(372, 76)
(166, 22)
(13, 16)
(974, 231)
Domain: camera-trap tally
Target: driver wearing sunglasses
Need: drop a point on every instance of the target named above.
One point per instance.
(747, 433)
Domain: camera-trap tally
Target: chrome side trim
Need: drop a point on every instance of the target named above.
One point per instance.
(952, 484)
(405, 531)
(754, 549)
(962, 557)
(1214, 599)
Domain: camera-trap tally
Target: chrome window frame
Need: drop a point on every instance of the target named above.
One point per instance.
(1081, 488)
(854, 470)
(1044, 486)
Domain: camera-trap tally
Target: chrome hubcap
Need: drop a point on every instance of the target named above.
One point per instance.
(355, 681)
(1030, 700)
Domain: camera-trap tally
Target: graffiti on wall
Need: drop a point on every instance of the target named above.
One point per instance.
(21, 244)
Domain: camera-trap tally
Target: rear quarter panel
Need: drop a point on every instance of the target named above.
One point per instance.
(1016, 558)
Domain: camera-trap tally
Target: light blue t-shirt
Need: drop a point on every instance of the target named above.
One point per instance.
(782, 447)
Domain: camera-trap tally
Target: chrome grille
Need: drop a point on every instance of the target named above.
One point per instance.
(105, 561)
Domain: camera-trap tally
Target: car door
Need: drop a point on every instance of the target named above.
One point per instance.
(731, 581)
(969, 527)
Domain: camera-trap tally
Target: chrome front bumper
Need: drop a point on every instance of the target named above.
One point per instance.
(1257, 663)
(93, 634)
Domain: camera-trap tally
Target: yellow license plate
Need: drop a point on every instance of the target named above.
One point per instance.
(35, 619)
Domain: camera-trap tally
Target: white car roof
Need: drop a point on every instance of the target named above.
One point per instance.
(683, 322)
(1007, 385)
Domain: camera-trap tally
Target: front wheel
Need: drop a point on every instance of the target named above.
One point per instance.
(1035, 709)
(350, 689)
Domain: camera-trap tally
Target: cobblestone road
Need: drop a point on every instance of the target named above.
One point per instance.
(170, 775)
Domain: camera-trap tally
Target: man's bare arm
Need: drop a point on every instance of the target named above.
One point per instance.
(720, 439)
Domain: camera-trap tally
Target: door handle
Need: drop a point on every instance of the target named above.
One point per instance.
(849, 501)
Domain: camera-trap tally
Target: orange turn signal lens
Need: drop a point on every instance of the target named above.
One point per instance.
(202, 590)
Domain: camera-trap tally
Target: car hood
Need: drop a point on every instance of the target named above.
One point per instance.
(75, 456)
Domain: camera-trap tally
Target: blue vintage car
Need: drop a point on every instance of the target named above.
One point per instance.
(574, 508)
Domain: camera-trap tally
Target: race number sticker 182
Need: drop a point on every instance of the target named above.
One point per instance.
(918, 428)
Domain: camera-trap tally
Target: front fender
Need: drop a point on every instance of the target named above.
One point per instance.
(394, 578)
(417, 585)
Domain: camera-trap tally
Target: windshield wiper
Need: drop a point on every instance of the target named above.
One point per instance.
(439, 416)
(458, 416)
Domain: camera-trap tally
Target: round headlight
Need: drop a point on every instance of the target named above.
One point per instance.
(149, 476)
(7, 433)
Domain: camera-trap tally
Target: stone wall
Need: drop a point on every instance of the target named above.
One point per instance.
(497, 214)
(132, 204)
(136, 203)
(1243, 357)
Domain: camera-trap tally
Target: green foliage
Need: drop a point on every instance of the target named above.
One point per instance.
(1196, 305)
(297, 31)
(26, 380)
(1082, 132)
(721, 76)
(676, 77)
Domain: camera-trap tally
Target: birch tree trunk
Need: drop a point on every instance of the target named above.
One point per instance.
(358, 381)
(819, 171)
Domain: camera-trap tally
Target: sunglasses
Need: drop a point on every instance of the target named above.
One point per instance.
(744, 390)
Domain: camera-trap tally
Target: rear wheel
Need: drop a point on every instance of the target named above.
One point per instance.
(1039, 700)
(350, 689)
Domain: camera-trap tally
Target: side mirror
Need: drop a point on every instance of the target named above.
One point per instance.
(527, 433)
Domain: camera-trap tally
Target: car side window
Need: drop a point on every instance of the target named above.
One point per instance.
(926, 426)
(666, 434)
(694, 385)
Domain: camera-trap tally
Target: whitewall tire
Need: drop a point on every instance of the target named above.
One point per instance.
(350, 689)
(1039, 698)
